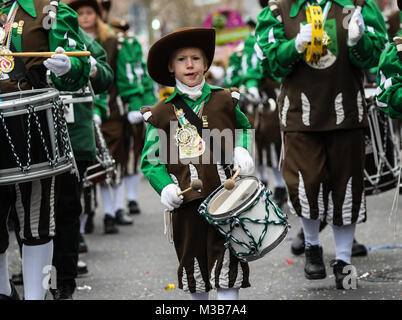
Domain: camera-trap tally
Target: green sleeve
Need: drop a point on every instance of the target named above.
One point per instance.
(244, 133)
(65, 34)
(278, 54)
(129, 74)
(232, 74)
(151, 166)
(104, 76)
(251, 68)
(366, 53)
(389, 81)
(101, 106)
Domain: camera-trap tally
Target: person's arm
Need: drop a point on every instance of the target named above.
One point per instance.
(151, 165)
(103, 77)
(244, 133)
(389, 81)
(278, 54)
(65, 34)
(366, 52)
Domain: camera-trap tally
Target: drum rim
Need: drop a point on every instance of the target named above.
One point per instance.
(245, 206)
(41, 95)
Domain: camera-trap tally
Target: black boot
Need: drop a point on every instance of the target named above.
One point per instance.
(17, 279)
(14, 294)
(280, 196)
(64, 291)
(89, 224)
(297, 247)
(314, 268)
(82, 246)
(122, 218)
(133, 207)
(110, 224)
(358, 249)
(340, 273)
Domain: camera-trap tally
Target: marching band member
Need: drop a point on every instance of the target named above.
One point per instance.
(323, 116)
(68, 207)
(181, 59)
(26, 26)
(136, 90)
(114, 123)
(389, 78)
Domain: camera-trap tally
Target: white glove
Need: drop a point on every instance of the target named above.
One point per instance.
(94, 69)
(303, 37)
(356, 27)
(169, 196)
(135, 117)
(242, 159)
(254, 94)
(58, 63)
(97, 119)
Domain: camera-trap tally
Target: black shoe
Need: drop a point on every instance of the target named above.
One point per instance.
(340, 273)
(110, 225)
(17, 279)
(14, 294)
(89, 225)
(64, 291)
(122, 218)
(314, 268)
(133, 207)
(297, 247)
(82, 246)
(81, 268)
(358, 249)
(280, 196)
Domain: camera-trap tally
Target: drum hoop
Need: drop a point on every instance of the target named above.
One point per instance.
(41, 95)
(231, 213)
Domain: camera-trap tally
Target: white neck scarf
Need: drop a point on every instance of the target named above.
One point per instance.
(193, 92)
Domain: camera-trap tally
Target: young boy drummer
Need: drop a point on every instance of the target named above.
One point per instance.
(180, 59)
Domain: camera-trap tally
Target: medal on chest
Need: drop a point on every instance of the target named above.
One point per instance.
(7, 21)
(188, 140)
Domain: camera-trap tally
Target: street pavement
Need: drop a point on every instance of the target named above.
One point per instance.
(140, 264)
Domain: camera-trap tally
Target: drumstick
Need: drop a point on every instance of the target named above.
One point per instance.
(229, 184)
(196, 184)
(45, 54)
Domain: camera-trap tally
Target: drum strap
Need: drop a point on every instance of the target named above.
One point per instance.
(36, 77)
(192, 117)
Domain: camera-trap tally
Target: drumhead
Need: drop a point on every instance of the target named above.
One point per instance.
(226, 203)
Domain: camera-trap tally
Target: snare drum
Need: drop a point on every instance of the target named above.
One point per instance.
(382, 157)
(105, 168)
(34, 140)
(251, 223)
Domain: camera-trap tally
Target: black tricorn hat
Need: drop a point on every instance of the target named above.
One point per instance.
(161, 51)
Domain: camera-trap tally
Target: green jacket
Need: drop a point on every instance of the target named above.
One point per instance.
(63, 32)
(82, 130)
(389, 80)
(136, 87)
(154, 170)
(280, 55)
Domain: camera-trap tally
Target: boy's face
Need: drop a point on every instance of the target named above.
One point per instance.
(86, 17)
(188, 66)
